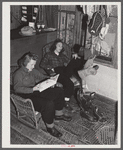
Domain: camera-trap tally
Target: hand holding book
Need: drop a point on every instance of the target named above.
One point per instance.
(36, 88)
(47, 83)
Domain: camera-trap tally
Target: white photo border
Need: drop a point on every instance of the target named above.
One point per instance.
(6, 74)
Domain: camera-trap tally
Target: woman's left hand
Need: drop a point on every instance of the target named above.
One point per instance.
(59, 84)
(75, 56)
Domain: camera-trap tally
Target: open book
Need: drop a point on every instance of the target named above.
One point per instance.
(48, 83)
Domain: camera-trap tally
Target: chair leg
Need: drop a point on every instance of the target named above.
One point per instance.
(37, 122)
(33, 125)
(17, 112)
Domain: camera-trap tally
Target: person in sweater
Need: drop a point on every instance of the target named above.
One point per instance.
(58, 63)
(49, 102)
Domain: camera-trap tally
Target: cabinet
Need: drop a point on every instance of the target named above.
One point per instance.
(29, 13)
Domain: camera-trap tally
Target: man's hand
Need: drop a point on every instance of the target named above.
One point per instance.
(75, 56)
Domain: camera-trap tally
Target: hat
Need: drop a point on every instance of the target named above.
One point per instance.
(27, 31)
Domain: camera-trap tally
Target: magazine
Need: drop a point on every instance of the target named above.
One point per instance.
(48, 83)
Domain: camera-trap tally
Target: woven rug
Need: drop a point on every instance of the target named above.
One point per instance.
(18, 138)
(78, 132)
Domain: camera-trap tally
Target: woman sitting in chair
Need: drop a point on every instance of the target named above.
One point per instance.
(49, 102)
(58, 63)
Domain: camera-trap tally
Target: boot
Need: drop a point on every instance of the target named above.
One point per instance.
(68, 107)
(54, 132)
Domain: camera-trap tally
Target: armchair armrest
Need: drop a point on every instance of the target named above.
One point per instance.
(25, 109)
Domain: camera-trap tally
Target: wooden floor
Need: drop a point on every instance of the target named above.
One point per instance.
(77, 132)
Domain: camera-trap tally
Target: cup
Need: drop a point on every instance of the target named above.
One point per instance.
(38, 26)
(42, 26)
(32, 24)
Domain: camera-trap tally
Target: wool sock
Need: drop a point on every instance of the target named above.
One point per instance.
(50, 125)
(58, 112)
(67, 99)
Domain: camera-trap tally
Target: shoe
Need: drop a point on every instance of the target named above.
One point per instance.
(96, 67)
(68, 107)
(63, 117)
(54, 132)
(77, 83)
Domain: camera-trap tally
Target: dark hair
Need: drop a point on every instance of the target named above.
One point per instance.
(25, 59)
(53, 46)
(76, 48)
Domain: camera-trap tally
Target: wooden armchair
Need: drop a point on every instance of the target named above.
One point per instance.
(68, 53)
(24, 107)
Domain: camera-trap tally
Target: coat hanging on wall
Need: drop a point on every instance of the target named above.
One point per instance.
(84, 23)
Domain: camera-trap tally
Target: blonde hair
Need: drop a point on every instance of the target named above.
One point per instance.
(25, 59)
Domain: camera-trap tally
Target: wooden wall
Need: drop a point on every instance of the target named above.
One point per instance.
(15, 18)
(33, 44)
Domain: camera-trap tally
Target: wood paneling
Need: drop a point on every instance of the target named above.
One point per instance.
(33, 44)
(15, 16)
(51, 36)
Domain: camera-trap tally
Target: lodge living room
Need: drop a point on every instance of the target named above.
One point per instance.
(70, 23)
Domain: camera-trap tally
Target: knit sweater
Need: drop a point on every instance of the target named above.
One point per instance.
(24, 81)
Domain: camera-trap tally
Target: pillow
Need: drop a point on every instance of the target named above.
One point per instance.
(27, 31)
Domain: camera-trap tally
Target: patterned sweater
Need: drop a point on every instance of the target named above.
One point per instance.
(51, 60)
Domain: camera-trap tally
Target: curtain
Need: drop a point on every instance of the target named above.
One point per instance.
(51, 16)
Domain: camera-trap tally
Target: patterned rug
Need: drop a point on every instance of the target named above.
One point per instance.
(79, 131)
(18, 138)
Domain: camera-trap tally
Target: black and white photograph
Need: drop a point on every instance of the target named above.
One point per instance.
(61, 70)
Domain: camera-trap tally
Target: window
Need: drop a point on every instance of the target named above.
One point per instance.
(66, 21)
